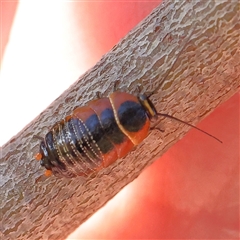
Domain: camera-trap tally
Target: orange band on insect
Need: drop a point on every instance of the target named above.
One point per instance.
(38, 156)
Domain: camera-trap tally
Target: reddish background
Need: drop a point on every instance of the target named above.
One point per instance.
(190, 192)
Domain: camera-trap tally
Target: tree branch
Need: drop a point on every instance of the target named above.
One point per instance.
(205, 75)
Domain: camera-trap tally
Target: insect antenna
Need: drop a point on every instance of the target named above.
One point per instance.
(186, 123)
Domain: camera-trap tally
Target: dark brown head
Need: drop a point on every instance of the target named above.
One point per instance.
(148, 106)
(43, 157)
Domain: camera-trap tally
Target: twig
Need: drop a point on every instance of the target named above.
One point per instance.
(205, 75)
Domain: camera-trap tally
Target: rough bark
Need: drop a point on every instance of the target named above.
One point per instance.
(205, 74)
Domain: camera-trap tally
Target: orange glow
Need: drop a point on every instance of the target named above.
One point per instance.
(48, 173)
(38, 156)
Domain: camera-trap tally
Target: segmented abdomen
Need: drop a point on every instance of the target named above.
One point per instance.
(94, 136)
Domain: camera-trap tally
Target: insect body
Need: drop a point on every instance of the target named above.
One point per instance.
(96, 135)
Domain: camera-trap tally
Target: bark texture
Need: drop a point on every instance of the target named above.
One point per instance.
(206, 73)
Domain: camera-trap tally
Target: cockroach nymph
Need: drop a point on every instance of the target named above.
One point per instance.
(96, 135)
